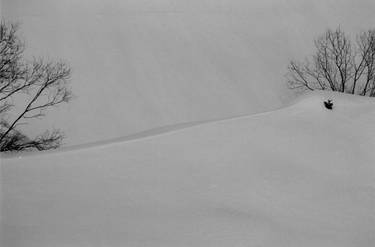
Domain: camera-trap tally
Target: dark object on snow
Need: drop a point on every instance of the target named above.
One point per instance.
(328, 104)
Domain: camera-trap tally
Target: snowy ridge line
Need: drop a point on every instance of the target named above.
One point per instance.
(163, 130)
(318, 96)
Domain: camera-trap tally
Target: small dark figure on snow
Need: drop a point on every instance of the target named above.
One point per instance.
(328, 104)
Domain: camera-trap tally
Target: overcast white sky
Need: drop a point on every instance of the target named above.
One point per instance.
(140, 64)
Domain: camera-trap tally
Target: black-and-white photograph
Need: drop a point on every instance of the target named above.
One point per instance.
(187, 123)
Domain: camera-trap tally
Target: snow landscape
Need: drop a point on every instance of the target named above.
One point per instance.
(184, 134)
(143, 64)
(299, 176)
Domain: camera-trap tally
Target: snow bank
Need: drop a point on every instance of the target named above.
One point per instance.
(299, 176)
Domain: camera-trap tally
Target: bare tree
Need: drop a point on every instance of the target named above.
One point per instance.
(35, 86)
(338, 65)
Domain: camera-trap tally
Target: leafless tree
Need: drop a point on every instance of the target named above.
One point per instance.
(338, 65)
(34, 85)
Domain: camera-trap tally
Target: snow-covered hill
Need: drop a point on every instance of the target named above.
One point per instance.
(298, 176)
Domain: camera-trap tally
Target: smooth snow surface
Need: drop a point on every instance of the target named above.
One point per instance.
(301, 176)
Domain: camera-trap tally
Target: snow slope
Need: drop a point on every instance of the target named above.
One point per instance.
(299, 176)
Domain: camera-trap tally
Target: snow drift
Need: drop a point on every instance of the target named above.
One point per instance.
(299, 176)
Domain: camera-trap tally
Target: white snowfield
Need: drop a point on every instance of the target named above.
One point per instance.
(300, 176)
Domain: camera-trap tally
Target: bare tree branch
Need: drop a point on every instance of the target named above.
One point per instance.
(44, 83)
(338, 65)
